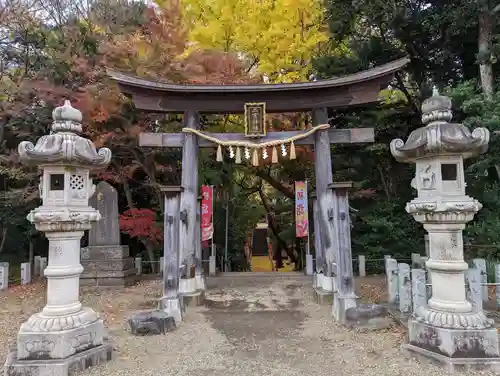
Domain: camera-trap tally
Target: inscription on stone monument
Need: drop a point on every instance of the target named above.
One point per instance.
(107, 230)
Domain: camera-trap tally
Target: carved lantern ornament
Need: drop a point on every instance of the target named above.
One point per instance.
(65, 159)
(438, 149)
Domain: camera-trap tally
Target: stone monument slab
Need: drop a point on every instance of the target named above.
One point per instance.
(107, 230)
(105, 261)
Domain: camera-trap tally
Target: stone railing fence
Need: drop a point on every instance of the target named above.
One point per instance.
(410, 287)
(141, 266)
(13, 275)
(26, 274)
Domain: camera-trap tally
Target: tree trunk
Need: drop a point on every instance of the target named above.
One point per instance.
(384, 182)
(4, 237)
(128, 194)
(31, 254)
(288, 192)
(485, 49)
(281, 242)
(300, 253)
(151, 256)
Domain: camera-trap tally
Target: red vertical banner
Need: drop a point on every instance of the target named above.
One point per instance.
(207, 230)
(301, 210)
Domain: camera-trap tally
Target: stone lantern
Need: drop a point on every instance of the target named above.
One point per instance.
(64, 334)
(448, 328)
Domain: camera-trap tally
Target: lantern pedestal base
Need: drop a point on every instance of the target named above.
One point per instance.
(455, 349)
(69, 366)
(59, 344)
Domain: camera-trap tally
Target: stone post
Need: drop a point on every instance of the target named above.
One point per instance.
(362, 266)
(344, 296)
(189, 202)
(170, 302)
(391, 272)
(447, 329)
(198, 257)
(323, 279)
(212, 263)
(36, 266)
(318, 250)
(4, 276)
(64, 330)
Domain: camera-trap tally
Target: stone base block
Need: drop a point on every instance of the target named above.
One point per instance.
(188, 285)
(189, 292)
(107, 266)
(368, 317)
(454, 364)
(193, 299)
(103, 280)
(322, 289)
(454, 348)
(69, 366)
(322, 297)
(151, 323)
(104, 252)
(200, 282)
(323, 282)
(341, 304)
(59, 344)
(212, 267)
(172, 307)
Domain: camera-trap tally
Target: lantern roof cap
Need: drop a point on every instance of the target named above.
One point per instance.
(438, 136)
(64, 145)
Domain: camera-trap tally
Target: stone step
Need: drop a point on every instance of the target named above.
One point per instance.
(108, 273)
(264, 278)
(108, 281)
(96, 266)
(262, 275)
(105, 252)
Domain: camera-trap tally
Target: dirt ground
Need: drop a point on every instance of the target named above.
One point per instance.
(255, 325)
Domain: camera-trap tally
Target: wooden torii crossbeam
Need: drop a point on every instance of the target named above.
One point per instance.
(336, 136)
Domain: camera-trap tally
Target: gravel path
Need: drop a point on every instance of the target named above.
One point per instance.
(249, 327)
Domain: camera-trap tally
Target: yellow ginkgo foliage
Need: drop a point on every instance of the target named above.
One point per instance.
(276, 37)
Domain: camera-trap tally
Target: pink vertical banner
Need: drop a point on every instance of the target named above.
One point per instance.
(207, 230)
(301, 210)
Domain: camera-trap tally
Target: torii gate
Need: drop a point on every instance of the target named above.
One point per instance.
(317, 97)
